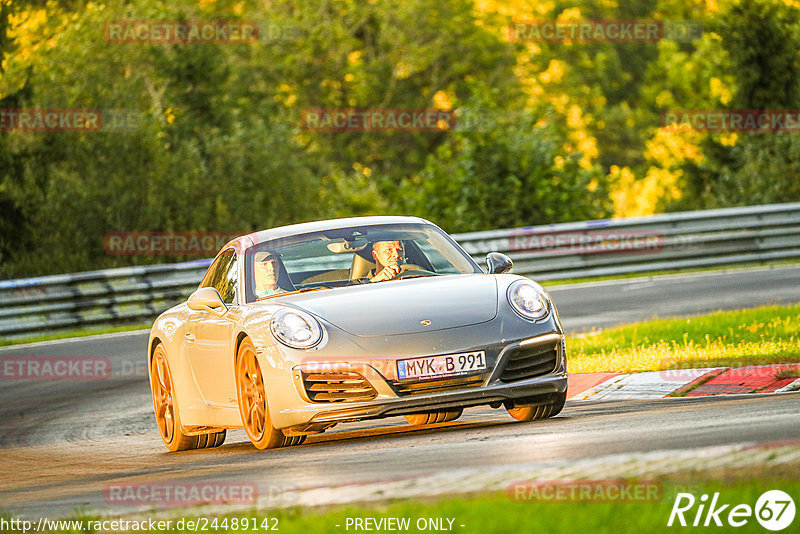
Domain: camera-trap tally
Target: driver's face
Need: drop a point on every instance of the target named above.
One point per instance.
(387, 253)
(267, 273)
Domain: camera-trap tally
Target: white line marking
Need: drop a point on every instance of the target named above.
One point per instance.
(659, 277)
(793, 386)
(74, 339)
(646, 385)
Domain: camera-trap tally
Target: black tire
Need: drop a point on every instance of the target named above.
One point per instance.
(534, 412)
(210, 440)
(430, 418)
(293, 441)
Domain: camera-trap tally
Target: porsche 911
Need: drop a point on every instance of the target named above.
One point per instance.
(293, 330)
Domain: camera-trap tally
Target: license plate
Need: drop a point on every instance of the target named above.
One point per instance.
(435, 366)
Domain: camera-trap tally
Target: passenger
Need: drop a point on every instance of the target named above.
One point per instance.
(387, 256)
(267, 271)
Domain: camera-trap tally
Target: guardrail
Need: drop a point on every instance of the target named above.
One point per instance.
(696, 239)
(107, 297)
(758, 234)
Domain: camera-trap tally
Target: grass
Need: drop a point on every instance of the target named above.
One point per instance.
(82, 332)
(788, 373)
(765, 335)
(501, 513)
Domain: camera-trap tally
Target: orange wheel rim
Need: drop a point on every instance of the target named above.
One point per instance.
(162, 396)
(251, 393)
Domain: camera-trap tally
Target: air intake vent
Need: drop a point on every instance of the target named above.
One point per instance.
(434, 386)
(338, 386)
(530, 362)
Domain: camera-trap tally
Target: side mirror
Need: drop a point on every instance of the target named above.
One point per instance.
(498, 263)
(207, 299)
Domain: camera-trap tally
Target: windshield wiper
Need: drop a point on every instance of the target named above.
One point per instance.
(296, 291)
(304, 289)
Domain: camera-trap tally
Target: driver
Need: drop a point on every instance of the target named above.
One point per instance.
(267, 269)
(387, 256)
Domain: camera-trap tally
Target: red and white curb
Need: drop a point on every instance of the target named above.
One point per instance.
(684, 382)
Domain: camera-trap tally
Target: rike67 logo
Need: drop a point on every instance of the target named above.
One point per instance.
(774, 510)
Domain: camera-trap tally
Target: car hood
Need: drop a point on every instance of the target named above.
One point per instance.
(402, 306)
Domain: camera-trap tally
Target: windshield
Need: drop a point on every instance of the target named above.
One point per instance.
(349, 256)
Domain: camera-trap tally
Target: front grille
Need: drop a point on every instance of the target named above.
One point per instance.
(338, 386)
(530, 362)
(418, 387)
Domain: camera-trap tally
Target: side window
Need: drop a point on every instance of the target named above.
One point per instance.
(222, 276)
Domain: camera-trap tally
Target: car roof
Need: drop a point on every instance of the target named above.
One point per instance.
(329, 224)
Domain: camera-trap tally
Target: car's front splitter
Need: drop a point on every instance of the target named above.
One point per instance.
(540, 390)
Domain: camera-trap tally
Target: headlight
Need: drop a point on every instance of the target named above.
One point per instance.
(296, 329)
(528, 300)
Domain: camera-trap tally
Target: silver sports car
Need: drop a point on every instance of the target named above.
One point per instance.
(298, 328)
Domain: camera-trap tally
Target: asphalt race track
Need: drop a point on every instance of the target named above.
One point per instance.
(63, 442)
(604, 304)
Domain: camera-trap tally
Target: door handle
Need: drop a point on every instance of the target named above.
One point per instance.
(188, 336)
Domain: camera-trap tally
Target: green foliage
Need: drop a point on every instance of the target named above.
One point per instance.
(218, 143)
(756, 51)
(762, 39)
(481, 180)
(201, 156)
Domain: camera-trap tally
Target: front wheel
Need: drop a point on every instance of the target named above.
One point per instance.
(253, 405)
(168, 417)
(535, 412)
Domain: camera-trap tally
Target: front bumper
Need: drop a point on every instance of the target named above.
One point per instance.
(543, 390)
(493, 386)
